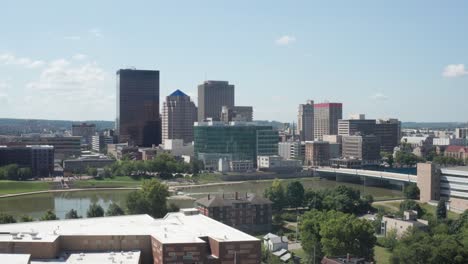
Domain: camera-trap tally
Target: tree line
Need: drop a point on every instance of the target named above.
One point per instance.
(13, 172)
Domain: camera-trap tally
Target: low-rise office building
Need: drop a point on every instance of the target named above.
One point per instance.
(85, 131)
(182, 237)
(291, 150)
(64, 146)
(278, 164)
(365, 148)
(82, 164)
(448, 183)
(39, 158)
(249, 212)
(99, 142)
(401, 225)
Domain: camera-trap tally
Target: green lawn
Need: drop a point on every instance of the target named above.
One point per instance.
(381, 255)
(12, 187)
(432, 209)
(207, 178)
(118, 181)
(394, 207)
(301, 253)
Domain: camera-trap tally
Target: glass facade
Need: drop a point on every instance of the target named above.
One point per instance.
(239, 141)
(138, 121)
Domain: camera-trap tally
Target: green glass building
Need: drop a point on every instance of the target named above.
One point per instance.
(235, 141)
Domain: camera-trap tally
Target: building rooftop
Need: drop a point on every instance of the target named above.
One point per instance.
(186, 226)
(221, 201)
(178, 93)
(15, 258)
(453, 148)
(124, 257)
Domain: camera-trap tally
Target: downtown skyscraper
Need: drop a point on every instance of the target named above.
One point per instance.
(179, 114)
(138, 121)
(305, 121)
(326, 116)
(212, 96)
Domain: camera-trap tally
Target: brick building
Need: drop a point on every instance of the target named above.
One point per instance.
(183, 237)
(249, 212)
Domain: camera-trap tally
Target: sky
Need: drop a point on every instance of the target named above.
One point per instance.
(399, 59)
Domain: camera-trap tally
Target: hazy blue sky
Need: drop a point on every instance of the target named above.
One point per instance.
(403, 59)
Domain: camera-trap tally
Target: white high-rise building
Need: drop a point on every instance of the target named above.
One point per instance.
(305, 121)
(179, 114)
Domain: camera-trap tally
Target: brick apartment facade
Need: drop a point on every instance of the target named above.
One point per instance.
(248, 212)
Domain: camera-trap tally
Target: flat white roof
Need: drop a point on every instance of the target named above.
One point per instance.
(15, 258)
(124, 257)
(173, 228)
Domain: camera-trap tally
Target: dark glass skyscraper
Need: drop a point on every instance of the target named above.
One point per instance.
(138, 121)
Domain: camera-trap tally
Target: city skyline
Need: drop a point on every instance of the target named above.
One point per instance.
(374, 58)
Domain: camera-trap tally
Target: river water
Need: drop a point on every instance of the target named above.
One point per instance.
(36, 204)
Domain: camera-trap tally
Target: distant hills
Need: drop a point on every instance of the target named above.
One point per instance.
(12, 126)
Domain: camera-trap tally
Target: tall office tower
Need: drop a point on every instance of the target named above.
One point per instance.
(389, 133)
(212, 96)
(326, 116)
(305, 121)
(85, 131)
(179, 114)
(138, 121)
(237, 113)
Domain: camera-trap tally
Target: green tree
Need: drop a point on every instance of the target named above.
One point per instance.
(348, 234)
(387, 157)
(24, 174)
(411, 191)
(276, 195)
(72, 214)
(151, 199)
(295, 194)
(26, 218)
(7, 219)
(11, 172)
(114, 210)
(49, 215)
(91, 171)
(95, 210)
(411, 205)
(441, 209)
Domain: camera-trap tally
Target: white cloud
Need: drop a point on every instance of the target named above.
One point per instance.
(285, 40)
(379, 97)
(61, 76)
(79, 56)
(11, 59)
(72, 37)
(454, 70)
(96, 32)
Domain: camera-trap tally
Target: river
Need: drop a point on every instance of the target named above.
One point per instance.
(36, 204)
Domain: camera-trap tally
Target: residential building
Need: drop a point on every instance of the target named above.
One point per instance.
(183, 237)
(85, 131)
(401, 225)
(248, 212)
(421, 145)
(350, 127)
(326, 116)
(389, 133)
(212, 96)
(365, 148)
(458, 152)
(100, 141)
(461, 132)
(235, 141)
(317, 153)
(237, 113)
(448, 183)
(178, 116)
(39, 158)
(138, 121)
(305, 121)
(274, 243)
(278, 164)
(82, 164)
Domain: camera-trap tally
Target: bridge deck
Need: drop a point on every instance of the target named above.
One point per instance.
(373, 174)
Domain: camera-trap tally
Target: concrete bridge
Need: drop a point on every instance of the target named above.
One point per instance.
(367, 176)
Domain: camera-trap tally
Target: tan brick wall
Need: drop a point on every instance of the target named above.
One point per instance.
(428, 182)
